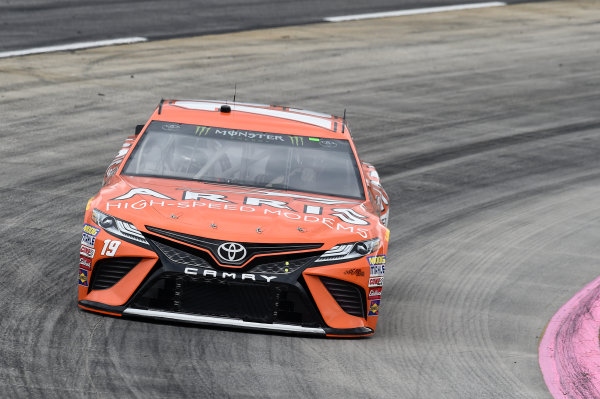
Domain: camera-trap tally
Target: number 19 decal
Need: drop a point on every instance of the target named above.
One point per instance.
(110, 247)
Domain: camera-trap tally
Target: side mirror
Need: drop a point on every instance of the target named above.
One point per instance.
(138, 129)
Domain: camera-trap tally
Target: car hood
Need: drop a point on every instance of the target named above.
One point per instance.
(236, 213)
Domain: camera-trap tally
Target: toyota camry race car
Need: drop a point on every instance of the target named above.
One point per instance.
(240, 215)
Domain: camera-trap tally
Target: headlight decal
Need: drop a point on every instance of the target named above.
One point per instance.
(118, 227)
(350, 251)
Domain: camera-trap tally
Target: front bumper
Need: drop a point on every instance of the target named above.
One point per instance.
(187, 287)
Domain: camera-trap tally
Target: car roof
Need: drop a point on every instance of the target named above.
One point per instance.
(248, 116)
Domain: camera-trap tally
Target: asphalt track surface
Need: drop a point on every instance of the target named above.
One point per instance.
(35, 23)
(483, 124)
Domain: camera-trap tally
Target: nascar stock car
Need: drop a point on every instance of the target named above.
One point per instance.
(239, 215)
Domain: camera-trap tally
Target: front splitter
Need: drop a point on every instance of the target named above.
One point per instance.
(222, 321)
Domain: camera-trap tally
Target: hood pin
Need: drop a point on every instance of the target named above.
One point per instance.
(173, 216)
(214, 226)
(300, 229)
(258, 230)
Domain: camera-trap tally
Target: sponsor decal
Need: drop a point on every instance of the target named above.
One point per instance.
(83, 277)
(88, 239)
(343, 219)
(91, 230)
(354, 272)
(200, 130)
(297, 140)
(194, 271)
(114, 165)
(171, 126)
(245, 134)
(375, 293)
(387, 235)
(85, 262)
(384, 220)
(110, 171)
(328, 143)
(141, 191)
(374, 308)
(234, 134)
(87, 251)
(350, 216)
(377, 265)
(375, 281)
(110, 247)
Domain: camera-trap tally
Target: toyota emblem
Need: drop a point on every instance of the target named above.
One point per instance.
(231, 251)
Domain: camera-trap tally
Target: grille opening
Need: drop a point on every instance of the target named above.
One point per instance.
(350, 297)
(262, 303)
(108, 272)
(282, 264)
(181, 254)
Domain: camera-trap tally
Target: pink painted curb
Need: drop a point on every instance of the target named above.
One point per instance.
(569, 352)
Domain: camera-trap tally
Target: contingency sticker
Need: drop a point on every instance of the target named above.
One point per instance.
(85, 262)
(87, 251)
(88, 239)
(83, 277)
(377, 264)
(91, 230)
(376, 282)
(374, 308)
(375, 293)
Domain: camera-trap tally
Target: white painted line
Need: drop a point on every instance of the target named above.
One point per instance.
(415, 11)
(72, 46)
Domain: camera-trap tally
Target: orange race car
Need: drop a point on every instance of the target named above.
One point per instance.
(239, 215)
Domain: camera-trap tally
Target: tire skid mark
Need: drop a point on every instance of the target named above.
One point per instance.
(569, 352)
(460, 151)
(406, 237)
(468, 304)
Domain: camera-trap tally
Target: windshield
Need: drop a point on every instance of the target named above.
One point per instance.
(249, 158)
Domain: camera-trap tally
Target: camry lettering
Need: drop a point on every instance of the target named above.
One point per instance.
(194, 271)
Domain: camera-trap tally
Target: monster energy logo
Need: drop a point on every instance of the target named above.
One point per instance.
(200, 130)
(297, 140)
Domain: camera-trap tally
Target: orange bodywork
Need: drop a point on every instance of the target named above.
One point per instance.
(158, 247)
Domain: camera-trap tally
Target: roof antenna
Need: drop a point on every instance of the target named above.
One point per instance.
(234, 91)
(344, 121)
(162, 100)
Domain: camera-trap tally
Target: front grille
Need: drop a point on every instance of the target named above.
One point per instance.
(349, 296)
(263, 303)
(181, 256)
(108, 272)
(285, 264)
(212, 245)
(271, 264)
